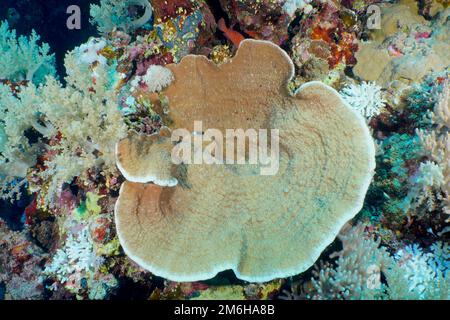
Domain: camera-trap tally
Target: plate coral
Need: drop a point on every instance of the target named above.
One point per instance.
(271, 149)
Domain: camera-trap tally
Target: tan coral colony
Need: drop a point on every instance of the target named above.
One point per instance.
(220, 217)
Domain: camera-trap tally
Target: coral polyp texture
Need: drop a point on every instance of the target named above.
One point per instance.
(181, 149)
(327, 160)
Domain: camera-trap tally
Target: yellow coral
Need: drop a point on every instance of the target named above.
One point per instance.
(222, 293)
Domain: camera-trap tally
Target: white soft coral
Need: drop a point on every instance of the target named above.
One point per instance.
(365, 98)
(291, 6)
(156, 78)
(415, 274)
(77, 256)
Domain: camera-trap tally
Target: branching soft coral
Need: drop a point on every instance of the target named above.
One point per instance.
(112, 14)
(436, 142)
(417, 275)
(78, 261)
(366, 98)
(77, 125)
(22, 58)
(19, 114)
(427, 180)
(357, 271)
(441, 117)
(411, 273)
(80, 264)
(86, 115)
(77, 256)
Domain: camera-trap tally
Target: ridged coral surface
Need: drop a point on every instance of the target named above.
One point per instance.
(229, 216)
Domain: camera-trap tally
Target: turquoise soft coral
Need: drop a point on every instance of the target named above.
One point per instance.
(21, 58)
(112, 14)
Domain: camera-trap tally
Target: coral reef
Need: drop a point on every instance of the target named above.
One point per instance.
(74, 126)
(261, 20)
(436, 142)
(324, 44)
(112, 14)
(20, 265)
(148, 160)
(405, 55)
(87, 184)
(416, 275)
(410, 274)
(357, 271)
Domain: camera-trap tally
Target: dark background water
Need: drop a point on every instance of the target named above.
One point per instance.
(48, 18)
